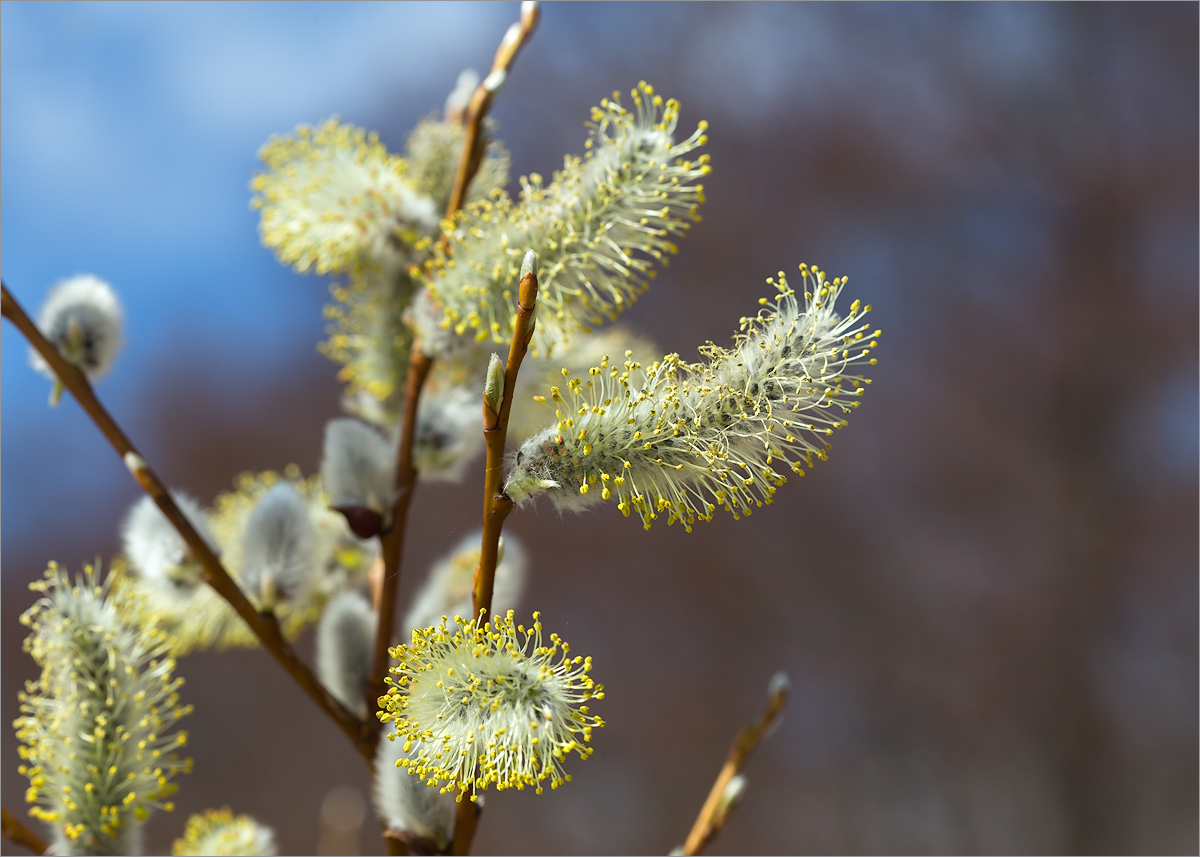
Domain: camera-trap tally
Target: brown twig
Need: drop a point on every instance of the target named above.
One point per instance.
(718, 805)
(419, 364)
(412, 843)
(466, 819)
(496, 504)
(16, 832)
(265, 627)
(391, 544)
(391, 541)
(472, 154)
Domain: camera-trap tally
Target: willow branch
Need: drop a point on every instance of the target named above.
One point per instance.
(391, 542)
(16, 832)
(466, 819)
(474, 143)
(720, 801)
(496, 504)
(265, 627)
(419, 363)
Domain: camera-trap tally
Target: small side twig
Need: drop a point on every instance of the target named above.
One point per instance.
(472, 154)
(718, 805)
(16, 832)
(264, 627)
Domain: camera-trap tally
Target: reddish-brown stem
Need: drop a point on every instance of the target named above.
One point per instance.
(715, 811)
(393, 841)
(391, 542)
(466, 819)
(481, 102)
(16, 832)
(264, 627)
(419, 363)
(496, 504)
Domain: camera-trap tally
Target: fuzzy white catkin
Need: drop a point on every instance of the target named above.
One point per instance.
(155, 548)
(498, 705)
(279, 547)
(358, 466)
(345, 636)
(447, 590)
(449, 433)
(82, 318)
(405, 802)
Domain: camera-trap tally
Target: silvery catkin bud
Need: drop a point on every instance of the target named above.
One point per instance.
(156, 550)
(696, 436)
(448, 433)
(358, 470)
(279, 547)
(345, 636)
(405, 802)
(460, 97)
(82, 318)
(493, 389)
(447, 590)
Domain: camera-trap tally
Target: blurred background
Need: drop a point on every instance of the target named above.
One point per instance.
(986, 600)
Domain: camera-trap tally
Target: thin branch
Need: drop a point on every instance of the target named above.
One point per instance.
(466, 819)
(412, 843)
(496, 504)
(721, 801)
(472, 154)
(265, 627)
(16, 832)
(391, 542)
(419, 366)
(419, 363)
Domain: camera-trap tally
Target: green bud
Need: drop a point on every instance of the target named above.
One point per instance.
(493, 388)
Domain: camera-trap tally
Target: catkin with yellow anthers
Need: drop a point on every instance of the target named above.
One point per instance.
(97, 729)
(491, 705)
(597, 228)
(433, 150)
(333, 199)
(368, 337)
(693, 437)
(219, 833)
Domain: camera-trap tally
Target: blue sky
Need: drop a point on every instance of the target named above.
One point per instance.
(129, 133)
